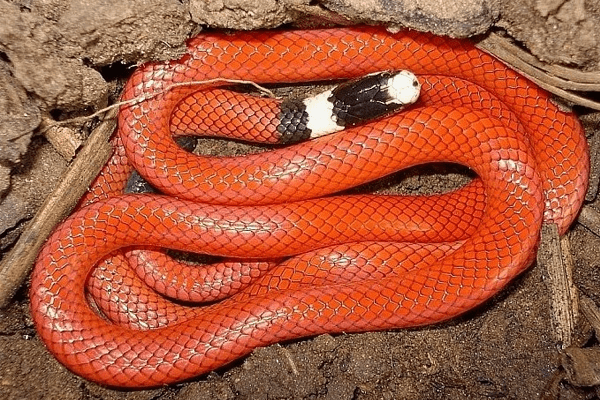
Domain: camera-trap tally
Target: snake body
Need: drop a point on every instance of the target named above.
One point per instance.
(329, 263)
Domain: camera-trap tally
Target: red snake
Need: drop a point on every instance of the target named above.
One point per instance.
(317, 263)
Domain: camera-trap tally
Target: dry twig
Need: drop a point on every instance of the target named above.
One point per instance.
(91, 158)
(560, 80)
(555, 256)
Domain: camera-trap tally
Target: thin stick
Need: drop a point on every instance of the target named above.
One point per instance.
(590, 218)
(145, 97)
(570, 79)
(554, 256)
(590, 311)
(85, 167)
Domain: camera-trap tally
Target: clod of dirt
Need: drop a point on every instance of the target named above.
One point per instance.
(240, 14)
(18, 118)
(31, 182)
(38, 62)
(460, 18)
(559, 31)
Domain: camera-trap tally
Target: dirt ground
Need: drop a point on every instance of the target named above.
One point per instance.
(66, 58)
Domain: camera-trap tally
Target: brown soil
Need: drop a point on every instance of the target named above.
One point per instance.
(63, 58)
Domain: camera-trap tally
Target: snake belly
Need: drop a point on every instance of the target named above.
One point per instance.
(333, 263)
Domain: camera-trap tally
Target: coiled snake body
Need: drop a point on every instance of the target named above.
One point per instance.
(318, 263)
